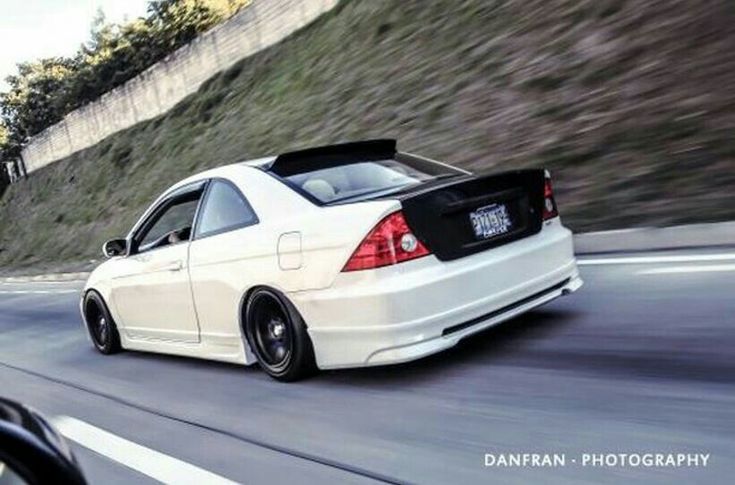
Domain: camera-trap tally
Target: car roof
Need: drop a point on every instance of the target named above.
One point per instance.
(223, 171)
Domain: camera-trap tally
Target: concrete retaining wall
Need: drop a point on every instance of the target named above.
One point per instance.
(160, 87)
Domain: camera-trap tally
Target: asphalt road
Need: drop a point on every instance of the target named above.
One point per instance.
(642, 359)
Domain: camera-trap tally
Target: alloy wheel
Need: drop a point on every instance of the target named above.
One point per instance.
(273, 332)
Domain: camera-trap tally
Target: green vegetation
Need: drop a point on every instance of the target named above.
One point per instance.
(43, 91)
(631, 105)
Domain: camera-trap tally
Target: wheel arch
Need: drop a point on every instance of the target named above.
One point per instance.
(85, 300)
(92, 298)
(242, 308)
(247, 294)
(103, 298)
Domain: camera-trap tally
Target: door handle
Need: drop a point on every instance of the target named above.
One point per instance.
(175, 266)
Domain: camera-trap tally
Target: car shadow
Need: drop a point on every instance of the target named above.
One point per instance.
(488, 346)
(181, 361)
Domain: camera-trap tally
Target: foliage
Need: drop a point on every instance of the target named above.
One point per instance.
(43, 91)
(31, 105)
(4, 178)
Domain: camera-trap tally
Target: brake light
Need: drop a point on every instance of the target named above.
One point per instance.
(390, 242)
(550, 210)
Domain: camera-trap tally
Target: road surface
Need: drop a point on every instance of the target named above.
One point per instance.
(642, 359)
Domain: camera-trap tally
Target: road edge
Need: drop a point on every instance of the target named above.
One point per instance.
(50, 277)
(688, 236)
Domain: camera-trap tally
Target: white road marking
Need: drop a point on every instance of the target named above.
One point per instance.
(156, 465)
(65, 282)
(693, 258)
(688, 269)
(36, 292)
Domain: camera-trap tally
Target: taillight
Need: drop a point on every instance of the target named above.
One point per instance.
(390, 242)
(550, 210)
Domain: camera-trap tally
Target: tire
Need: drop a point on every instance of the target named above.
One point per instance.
(278, 337)
(100, 324)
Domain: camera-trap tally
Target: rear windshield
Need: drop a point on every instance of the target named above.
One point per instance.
(359, 180)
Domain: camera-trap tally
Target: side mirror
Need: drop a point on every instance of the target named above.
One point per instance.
(32, 451)
(114, 247)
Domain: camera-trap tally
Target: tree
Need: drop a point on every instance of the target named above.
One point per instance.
(43, 91)
(180, 21)
(3, 134)
(32, 103)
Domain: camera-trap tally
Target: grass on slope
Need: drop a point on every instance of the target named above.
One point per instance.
(630, 104)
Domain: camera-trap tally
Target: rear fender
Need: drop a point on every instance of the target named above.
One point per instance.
(328, 239)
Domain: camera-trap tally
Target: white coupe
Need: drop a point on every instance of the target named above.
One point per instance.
(340, 256)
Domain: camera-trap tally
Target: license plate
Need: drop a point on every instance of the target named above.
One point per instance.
(490, 221)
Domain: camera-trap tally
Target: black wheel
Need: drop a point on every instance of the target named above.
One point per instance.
(102, 328)
(278, 336)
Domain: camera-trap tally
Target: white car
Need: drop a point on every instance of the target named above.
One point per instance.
(340, 256)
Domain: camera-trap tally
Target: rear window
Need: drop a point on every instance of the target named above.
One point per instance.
(358, 180)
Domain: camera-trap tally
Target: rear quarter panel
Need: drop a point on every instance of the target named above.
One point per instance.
(224, 267)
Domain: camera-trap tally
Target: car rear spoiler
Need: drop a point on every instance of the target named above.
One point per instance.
(299, 161)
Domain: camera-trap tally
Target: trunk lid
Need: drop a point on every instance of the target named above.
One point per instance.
(475, 213)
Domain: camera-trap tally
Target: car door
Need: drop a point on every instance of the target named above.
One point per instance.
(153, 295)
(223, 258)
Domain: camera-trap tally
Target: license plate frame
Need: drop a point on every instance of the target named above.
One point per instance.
(491, 221)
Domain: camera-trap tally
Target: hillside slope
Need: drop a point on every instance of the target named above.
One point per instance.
(630, 104)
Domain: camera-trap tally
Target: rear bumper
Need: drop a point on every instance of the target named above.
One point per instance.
(417, 308)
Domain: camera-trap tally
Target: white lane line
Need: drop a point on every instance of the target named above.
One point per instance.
(693, 258)
(65, 282)
(36, 292)
(156, 465)
(689, 269)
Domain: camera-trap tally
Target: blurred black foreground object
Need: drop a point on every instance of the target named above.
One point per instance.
(32, 451)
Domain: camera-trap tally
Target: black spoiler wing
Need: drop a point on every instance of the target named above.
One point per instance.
(299, 161)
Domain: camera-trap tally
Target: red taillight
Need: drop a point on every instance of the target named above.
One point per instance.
(390, 242)
(550, 210)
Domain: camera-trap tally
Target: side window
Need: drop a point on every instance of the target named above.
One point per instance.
(224, 209)
(172, 225)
